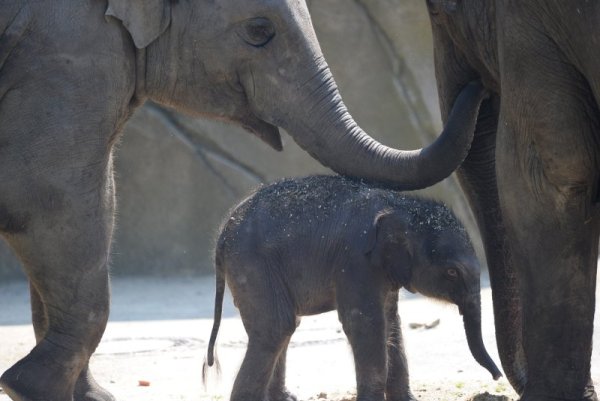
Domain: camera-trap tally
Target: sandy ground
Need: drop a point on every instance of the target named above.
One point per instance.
(159, 329)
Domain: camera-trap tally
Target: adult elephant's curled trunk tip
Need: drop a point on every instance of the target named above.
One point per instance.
(338, 142)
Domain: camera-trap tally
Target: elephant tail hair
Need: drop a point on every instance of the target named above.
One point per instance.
(211, 357)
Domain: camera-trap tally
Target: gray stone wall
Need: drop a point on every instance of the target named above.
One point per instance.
(177, 176)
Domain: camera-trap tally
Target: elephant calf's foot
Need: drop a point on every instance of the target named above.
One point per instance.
(87, 389)
(36, 380)
(404, 397)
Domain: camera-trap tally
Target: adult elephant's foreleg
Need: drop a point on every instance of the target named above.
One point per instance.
(548, 174)
(547, 179)
(86, 387)
(554, 241)
(63, 241)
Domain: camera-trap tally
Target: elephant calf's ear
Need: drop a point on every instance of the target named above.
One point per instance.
(144, 19)
(388, 247)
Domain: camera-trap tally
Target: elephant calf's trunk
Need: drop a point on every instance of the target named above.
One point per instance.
(472, 323)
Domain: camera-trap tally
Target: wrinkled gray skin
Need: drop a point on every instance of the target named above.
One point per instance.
(532, 176)
(310, 245)
(71, 74)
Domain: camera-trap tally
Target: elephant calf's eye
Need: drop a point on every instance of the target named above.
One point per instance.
(257, 32)
(452, 274)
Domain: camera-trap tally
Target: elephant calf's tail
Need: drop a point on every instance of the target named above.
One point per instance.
(211, 358)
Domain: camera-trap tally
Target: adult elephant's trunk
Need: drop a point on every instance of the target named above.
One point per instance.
(324, 128)
(472, 320)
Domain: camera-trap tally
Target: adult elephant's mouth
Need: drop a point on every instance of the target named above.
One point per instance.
(268, 133)
(263, 130)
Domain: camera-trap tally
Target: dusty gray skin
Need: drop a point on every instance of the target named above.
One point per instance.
(70, 77)
(532, 176)
(306, 246)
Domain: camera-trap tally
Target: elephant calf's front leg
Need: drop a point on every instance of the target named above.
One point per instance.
(397, 387)
(363, 321)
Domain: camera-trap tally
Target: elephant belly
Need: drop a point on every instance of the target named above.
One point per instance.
(316, 308)
(314, 297)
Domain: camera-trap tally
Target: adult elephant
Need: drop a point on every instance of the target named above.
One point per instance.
(532, 175)
(71, 75)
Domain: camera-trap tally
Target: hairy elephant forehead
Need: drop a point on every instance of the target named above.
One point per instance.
(427, 215)
(453, 248)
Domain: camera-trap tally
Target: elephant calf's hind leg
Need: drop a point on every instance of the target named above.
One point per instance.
(277, 388)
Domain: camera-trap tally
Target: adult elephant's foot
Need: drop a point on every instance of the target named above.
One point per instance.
(38, 377)
(87, 389)
(283, 395)
(589, 393)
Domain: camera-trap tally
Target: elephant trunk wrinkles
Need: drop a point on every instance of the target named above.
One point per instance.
(330, 134)
(472, 322)
(479, 171)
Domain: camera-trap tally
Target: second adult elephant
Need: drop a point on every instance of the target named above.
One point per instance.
(71, 74)
(533, 175)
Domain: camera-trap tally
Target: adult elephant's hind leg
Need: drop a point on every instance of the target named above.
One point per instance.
(64, 245)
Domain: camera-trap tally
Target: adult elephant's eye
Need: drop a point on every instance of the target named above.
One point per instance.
(257, 32)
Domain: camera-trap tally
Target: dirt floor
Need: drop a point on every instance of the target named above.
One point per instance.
(154, 347)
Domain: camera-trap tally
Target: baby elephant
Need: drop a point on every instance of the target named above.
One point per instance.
(310, 245)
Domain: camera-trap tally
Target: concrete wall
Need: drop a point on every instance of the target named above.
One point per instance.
(178, 176)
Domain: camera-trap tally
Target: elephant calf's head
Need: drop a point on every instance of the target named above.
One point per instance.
(423, 247)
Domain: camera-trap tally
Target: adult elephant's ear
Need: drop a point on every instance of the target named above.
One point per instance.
(389, 247)
(144, 19)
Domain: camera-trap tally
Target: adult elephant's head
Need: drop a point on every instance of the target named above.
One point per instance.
(258, 63)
